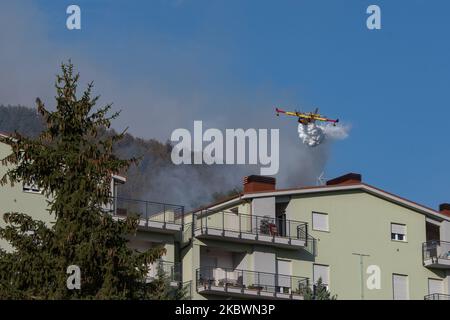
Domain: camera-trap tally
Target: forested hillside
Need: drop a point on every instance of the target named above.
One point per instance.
(155, 178)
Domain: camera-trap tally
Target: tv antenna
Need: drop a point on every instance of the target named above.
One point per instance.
(321, 180)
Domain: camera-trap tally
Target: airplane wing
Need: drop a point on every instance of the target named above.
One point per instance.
(313, 116)
(291, 113)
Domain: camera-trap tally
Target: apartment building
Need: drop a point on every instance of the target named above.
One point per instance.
(269, 243)
(160, 224)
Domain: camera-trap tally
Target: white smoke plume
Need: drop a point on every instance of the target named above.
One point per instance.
(156, 100)
(313, 135)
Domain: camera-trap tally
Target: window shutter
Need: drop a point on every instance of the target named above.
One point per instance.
(435, 286)
(321, 271)
(320, 221)
(400, 284)
(284, 271)
(398, 228)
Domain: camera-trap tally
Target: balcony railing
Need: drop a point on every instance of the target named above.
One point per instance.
(151, 214)
(251, 227)
(250, 283)
(186, 288)
(436, 254)
(170, 270)
(437, 296)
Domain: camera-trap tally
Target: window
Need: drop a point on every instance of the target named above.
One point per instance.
(400, 286)
(398, 232)
(31, 187)
(283, 274)
(435, 286)
(320, 221)
(321, 271)
(235, 210)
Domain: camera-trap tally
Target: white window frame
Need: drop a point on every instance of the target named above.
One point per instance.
(314, 227)
(396, 236)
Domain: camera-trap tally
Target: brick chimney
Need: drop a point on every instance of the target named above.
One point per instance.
(349, 178)
(444, 208)
(256, 183)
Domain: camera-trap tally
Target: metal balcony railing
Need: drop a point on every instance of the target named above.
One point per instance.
(186, 288)
(252, 224)
(435, 249)
(437, 296)
(251, 282)
(148, 210)
(170, 270)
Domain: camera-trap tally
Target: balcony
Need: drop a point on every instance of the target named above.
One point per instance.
(437, 296)
(153, 216)
(249, 284)
(436, 254)
(251, 229)
(169, 270)
(186, 289)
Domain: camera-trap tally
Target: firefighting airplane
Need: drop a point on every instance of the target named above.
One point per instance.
(307, 117)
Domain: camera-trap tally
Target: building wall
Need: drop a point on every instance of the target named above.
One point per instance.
(144, 240)
(191, 258)
(14, 199)
(360, 223)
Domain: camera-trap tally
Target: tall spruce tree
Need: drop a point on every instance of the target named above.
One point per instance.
(73, 165)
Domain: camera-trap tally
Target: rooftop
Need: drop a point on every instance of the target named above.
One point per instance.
(346, 182)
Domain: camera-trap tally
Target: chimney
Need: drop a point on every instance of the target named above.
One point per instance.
(256, 183)
(349, 178)
(444, 208)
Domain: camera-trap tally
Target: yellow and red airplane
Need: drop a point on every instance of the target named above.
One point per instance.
(307, 117)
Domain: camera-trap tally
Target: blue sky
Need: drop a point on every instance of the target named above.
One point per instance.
(168, 62)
